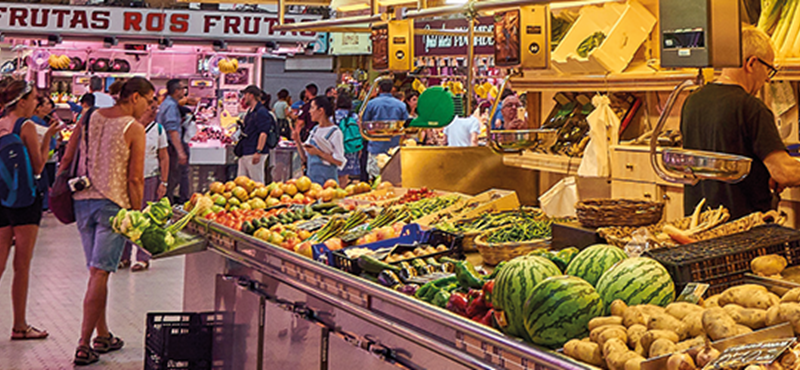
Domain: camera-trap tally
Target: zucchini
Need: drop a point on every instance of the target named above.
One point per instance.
(374, 266)
(323, 206)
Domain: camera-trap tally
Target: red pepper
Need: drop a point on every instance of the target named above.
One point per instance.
(487, 318)
(458, 303)
(477, 306)
(488, 290)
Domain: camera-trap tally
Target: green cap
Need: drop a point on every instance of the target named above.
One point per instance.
(435, 108)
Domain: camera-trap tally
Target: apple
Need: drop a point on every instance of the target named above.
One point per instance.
(277, 192)
(304, 249)
(290, 189)
(350, 189)
(229, 185)
(334, 244)
(312, 194)
(271, 202)
(317, 187)
(303, 184)
(330, 184)
(285, 198)
(327, 194)
(216, 187)
(241, 181)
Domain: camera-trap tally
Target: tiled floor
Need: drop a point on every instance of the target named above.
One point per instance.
(58, 283)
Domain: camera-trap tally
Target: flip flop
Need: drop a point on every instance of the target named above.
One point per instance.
(140, 266)
(107, 344)
(85, 356)
(30, 333)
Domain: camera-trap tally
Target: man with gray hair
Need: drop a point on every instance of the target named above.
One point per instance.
(101, 99)
(725, 116)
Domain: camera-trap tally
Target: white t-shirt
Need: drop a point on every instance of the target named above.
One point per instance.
(459, 132)
(103, 100)
(333, 145)
(155, 139)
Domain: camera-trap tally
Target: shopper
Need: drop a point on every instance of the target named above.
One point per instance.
(256, 126)
(323, 152)
(101, 99)
(331, 93)
(725, 116)
(510, 116)
(383, 107)
(20, 217)
(304, 122)
(45, 116)
(299, 103)
(169, 116)
(282, 113)
(112, 158)
(156, 176)
(115, 88)
(411, 100)
(463, 132)
(347, 121)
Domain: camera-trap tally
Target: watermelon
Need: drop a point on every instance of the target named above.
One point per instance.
(559, 309)
(592, 262)
(639, 280)
(513, 286)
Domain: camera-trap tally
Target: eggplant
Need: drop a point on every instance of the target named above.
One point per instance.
(419, 264)
(426, 270)
(388, 278)
(448, 267)
(407, 271)
(408, 289)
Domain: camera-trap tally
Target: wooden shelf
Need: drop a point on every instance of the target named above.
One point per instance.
(543, 162)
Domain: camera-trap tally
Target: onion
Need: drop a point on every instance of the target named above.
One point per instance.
(707, 355)
(680, 361)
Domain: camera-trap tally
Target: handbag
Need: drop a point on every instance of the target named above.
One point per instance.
(60, 202)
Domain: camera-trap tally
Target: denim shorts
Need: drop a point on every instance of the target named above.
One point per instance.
(101, 245)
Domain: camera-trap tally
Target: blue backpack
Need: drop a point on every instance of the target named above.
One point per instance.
(351, 133)
(17, 183)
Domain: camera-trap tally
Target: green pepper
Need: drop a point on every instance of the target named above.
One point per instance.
(496, 270)
(434, 285)
(441, 298)
(467, 276)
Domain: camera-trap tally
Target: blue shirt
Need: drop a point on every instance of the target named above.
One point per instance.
(169, 116)
(498, 116)
(384, 107)
(297, 105)
(256, 122)
(459, 132)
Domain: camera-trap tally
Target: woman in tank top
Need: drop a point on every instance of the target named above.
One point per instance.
(112, 157)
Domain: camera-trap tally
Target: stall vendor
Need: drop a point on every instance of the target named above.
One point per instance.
(324, 149)
(725, 116)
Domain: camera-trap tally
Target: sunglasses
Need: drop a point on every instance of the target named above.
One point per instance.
(772, 70)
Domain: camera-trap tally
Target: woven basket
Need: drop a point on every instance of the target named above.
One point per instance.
(618, 212)
(495, 253)
(620, 236)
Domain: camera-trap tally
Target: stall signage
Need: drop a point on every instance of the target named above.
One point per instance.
(154, 23)
(427, 45)
(751, 354)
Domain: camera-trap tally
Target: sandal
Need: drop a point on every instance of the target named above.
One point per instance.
(140, 266)
(107, 344)
(29, 333)
(85, 356)
(124, 264)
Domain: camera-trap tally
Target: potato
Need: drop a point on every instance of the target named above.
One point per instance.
(613, 345)
(791, 296)
(618, 307)
(639, 349)
(617, 360)
(790, 312)
(694, 324)
(661, 347)
(633, 316)
(771, 318)
(741, 329)
(635, 332)
(651, 335)
(587, 339)
(712, 301)
(679, 310)
(770, 264)
(651, 309)
(718, 324)
(752, 318)
(749, 296)
(602, 321)
(634, 363)
(667, 322)
(690, 343)
(620, 332)
(585, 352)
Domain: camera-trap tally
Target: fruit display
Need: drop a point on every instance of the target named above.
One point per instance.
(206, 133)
(635, 281)
(413, 195)
(243, 193)
(228, 65)
(59, 62)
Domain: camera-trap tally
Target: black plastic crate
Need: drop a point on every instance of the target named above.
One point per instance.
(177, 338)
(722, 262)
(432, 237)
(153, 361)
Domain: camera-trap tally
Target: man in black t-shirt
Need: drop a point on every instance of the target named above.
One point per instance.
(725, 116)
(304, 124)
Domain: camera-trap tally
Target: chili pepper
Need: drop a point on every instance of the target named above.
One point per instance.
(477, 306)
(441, 298)
(457, 303)
(467, 276)
(488, 290)
(434, 285)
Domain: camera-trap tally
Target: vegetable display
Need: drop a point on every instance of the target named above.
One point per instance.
(590, 43)
(493, 220)
(521, 231)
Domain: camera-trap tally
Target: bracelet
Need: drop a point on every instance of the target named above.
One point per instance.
(165, 183)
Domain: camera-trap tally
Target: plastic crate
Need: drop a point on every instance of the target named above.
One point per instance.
(433, 237)
(722, 262)
(175, 339)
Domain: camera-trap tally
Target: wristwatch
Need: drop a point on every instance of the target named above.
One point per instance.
(165, 183)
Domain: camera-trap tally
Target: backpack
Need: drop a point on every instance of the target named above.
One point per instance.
(351, 133)
(273, 132)
(17, 183)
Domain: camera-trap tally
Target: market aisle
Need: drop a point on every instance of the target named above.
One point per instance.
(58, 282)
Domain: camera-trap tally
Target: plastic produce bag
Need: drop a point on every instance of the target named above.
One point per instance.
(560, 200)
(603, 131)
(640, 242)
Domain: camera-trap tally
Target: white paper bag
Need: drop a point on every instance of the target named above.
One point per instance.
(603, 131)
(560, 200)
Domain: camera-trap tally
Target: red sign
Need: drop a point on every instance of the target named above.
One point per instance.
(425, 45)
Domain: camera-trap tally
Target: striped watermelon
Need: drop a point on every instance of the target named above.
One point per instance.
(513, 286)
(559, 309)
(592, 262)
(639, 280)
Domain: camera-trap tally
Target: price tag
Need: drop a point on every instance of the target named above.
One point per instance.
(692, 293)
(751, 354)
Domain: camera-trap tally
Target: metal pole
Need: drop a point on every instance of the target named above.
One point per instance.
(281, 12)
(470, 62)
(302, 26)
(432, 32)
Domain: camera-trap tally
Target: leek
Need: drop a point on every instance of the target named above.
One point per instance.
(779, 37)
(770, 14)
(793, 30)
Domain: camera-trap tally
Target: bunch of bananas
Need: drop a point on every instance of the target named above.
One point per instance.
(228, 65)
(455, 87)
(486, 90)
(58, 61)
(418, 86)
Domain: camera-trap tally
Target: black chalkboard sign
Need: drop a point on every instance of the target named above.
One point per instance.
(751, 354)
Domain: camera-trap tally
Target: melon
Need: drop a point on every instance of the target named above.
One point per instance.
(592, 262)
(639, 280)
(559, 309)
(514, 284)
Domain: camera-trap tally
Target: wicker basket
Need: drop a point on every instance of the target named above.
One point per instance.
(621, 236)
(495, 253)
(618, 212)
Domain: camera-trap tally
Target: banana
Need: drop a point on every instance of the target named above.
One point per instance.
(418, 86)
(52, 61)
(457, 88)
(480, 91)
(235, 64)
(493, 92)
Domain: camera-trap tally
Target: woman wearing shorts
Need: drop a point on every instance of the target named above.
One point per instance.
(112, 157)
(21, 225)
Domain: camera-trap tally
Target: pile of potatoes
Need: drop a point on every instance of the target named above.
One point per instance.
(631, 335)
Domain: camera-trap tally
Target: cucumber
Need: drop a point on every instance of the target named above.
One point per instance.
(374, 266)
(323, 206)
